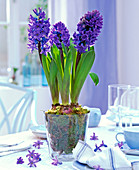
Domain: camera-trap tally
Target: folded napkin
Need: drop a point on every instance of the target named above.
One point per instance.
(109, 159)
(12, 149)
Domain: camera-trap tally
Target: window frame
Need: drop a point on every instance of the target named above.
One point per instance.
(13, 24)
(13, 33)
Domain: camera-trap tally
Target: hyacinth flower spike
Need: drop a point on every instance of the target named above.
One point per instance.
(88, 30)
(59, 39)
(39, 29)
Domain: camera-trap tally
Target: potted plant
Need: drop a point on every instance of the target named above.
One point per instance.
(66, 62)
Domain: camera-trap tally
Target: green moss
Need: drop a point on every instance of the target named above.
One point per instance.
(67, 109)
(65, 131)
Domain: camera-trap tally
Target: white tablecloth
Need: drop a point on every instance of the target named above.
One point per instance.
(9, 162)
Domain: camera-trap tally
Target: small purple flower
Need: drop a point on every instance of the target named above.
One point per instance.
(37, 157)
(88, 30)
(102, 144)
(94, 137)
(59, 34)
(32, 162)
(56, 162)
(37, 144)
(97, 167)
(33, 158)
(31, 154)
(20, 160)
(97, 148)
(120, 145)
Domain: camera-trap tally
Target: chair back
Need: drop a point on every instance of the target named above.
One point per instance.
(17, 108)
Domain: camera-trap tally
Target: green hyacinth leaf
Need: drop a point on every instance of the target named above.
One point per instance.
(46, 60)
(53, 72)
(56, 56)
(65, 50)
(95, 78)
(83, 56)
(54, 51)
(60, 81)
(54, 83)
(74, 56)
(83, 69)
(66, 79)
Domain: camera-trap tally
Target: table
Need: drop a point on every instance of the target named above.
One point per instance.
(9, 161)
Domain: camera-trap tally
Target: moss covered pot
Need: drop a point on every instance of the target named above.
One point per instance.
(63, 133)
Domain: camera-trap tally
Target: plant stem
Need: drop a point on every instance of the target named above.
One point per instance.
(39, 49)
(77, 60)
(54, 92)
(62, 58)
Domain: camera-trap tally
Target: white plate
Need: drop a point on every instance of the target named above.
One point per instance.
(39, 131)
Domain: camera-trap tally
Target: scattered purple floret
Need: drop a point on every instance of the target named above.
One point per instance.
(94, 137)
(33, 158)
(97, 167)
(20, 160)
(97, 148)
(31, 154)
(102, 144)
(37, 144)
(32, 162)
(120, 145)
(37, 157)
(56, 162)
